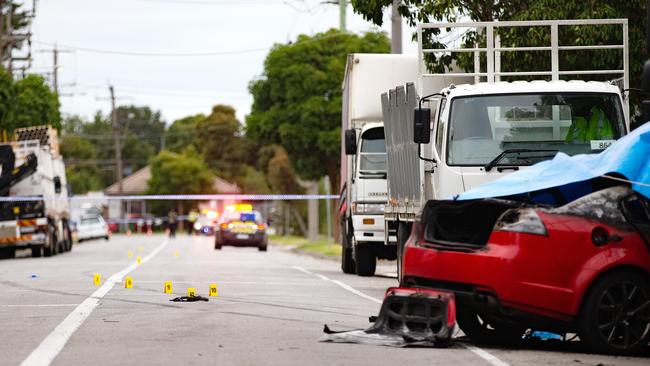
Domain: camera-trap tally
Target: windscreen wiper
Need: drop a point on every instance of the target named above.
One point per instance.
(365, 174)
(498, 158)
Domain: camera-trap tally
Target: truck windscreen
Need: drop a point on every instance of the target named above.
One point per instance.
(373, 151)
(482, 127)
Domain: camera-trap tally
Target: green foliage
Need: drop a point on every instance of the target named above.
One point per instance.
(253, 181)
(182, 133)
(220, 141)
(81, 171)
(184, 173)
(297, 101)
(35, 104)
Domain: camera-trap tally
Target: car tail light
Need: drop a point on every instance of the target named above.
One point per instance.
(224, 225)
(521, 221)
(261, 226)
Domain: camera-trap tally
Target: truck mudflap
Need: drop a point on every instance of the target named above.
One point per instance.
(408, 317)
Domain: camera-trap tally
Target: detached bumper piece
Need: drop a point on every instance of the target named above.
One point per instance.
(408, 317)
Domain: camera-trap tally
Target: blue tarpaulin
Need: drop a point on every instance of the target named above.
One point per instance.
(628, 157)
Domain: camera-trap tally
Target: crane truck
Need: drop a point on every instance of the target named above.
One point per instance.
(34, 209)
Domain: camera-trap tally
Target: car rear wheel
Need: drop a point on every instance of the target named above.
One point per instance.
(365, 259)
(480, 328)
(615, 316)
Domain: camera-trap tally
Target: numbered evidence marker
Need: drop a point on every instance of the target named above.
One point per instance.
(130, 253)
(139, 260)
(128, 282)
(97, 279)
(168, 287)
(177, 253)
(191, 292)
(213, 290)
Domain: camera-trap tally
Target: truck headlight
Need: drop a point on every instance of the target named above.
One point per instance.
(368, 208)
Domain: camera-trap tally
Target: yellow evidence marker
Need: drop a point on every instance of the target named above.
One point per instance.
(168, 287)
(213, 290)
(177, 253)
(191, 292)
(139, 260)
(128, 282)
(130, 253)
(97, 279)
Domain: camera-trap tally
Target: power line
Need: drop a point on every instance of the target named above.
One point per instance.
(190, 54)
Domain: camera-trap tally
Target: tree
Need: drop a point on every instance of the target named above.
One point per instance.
(81, 169)
(20, 20)
(142, 124)
(220, 140)
(184, 173)
(297, 101)
(35, 104)
(182, 133)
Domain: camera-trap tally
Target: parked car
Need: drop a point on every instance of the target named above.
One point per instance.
(241, 228)
(92, 227)
(583, 267)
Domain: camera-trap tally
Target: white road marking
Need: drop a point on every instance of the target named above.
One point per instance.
(36, 305)
(485, 355)
(338, 283)
(52, 345)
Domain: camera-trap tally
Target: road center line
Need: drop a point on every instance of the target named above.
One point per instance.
(485, 355)
(52, 345)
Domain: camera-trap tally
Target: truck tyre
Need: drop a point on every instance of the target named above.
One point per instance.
(347, 262)
(51, 244)
(615, 316)
(365, 259)
(7, 253)
(37, 251)
(403, 232)
(482, 329)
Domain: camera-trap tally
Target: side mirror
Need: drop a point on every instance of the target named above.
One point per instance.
(422, 126)
(57, 185)
(350, 142)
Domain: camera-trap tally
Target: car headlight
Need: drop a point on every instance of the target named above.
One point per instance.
(368, 208)
(197, 226)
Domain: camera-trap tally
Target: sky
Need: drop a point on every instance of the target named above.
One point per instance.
(106, 42)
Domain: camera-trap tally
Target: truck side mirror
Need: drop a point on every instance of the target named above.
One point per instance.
(57, 185)
(422, 126)
(350, 142)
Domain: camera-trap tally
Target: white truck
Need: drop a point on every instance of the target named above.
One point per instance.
(34, 208)
(363, 158)
(442, 140)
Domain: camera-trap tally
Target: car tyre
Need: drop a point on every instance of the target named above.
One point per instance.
(365, 260)
(615, 315)
(347, 261)
(262, 248)
(481, 329)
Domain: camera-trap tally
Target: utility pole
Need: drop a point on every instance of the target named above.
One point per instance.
(396, 28)
(118, 145)
(343, 4)
(55, 71)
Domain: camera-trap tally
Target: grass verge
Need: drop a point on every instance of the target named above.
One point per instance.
(321, 246)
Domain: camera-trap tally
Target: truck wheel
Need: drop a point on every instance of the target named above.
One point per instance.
(7, 253)
(365, 259)
(482, 329)
(36, 252)
(347, 262)
(403, 232)
(615, 315)
(50, 247)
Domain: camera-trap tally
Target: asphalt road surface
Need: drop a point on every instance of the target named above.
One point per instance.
(270, 310)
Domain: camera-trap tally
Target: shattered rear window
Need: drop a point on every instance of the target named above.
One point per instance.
(603, 205)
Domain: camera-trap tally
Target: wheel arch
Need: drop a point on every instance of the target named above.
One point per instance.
(629, 268)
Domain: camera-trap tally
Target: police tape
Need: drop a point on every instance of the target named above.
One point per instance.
(187, 197)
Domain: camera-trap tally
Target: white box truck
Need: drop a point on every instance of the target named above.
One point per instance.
(363, 158)
(442, 139)
(34, 209)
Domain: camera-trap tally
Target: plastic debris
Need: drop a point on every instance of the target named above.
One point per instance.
(189, 299)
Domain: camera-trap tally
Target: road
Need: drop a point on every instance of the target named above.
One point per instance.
(270, 310)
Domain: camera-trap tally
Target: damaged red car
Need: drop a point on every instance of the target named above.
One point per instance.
(583, 267)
